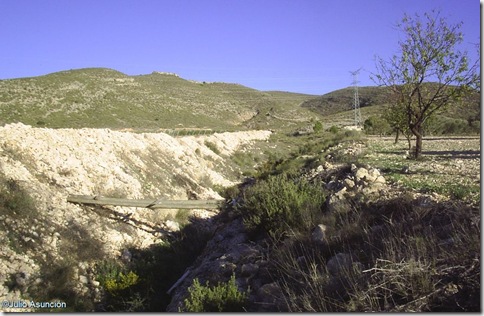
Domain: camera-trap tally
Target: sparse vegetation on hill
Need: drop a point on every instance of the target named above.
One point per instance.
(335, 108)
(106, 98)
(342, 100)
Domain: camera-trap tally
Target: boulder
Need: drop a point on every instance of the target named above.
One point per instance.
(373, 174)
(380, 179)
(353, 168)
(361, 174)
(348, 183)
(340, 193)
(172, 226)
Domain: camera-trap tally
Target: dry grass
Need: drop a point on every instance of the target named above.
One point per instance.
(405, 259)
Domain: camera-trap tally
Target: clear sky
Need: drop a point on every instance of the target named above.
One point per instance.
(307, 46)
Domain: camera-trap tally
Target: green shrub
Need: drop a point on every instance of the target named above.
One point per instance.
(121, 282)
(376, 125)
(107, 270)
(334, 129)
(318, 127)
(122, 287)
(278, 203)
(225, 297)
(212, 147)
(114, 278)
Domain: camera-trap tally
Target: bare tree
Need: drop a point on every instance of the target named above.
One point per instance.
(430, 72)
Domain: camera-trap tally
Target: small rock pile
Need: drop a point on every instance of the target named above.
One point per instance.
(340, 182)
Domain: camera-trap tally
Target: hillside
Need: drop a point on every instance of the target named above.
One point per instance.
(336, 106)
(105, 98)
(342, 100)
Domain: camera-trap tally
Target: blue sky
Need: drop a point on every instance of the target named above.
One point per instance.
(307, 46)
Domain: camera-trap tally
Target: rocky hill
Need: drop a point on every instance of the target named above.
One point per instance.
(48, 240)
(99, 97)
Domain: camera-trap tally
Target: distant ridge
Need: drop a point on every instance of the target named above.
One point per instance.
(107, 98)
(342, 100)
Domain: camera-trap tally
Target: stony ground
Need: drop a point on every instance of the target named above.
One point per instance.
(450, 165)
(378, 169)
(50, 164)
(40, 167)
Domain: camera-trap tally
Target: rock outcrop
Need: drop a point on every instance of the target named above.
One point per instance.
(45, 165)
(231, 251)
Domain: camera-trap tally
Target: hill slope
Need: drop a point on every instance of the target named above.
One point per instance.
(342, 100)
(336, 106)
(99, 97)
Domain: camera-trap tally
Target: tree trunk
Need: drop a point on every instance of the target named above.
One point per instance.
(417, 131)
(398, 135)
(418, 146)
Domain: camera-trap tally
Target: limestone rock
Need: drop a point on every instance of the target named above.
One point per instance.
(373, 174)
(380, 179)
(361, 174)
(83, 279)
(172, 226)
(340, 193)
(349, 183)
(354, 168)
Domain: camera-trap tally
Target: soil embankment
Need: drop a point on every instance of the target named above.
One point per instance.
(46, 165)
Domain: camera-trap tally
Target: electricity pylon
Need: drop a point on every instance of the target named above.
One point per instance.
(356, 98)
